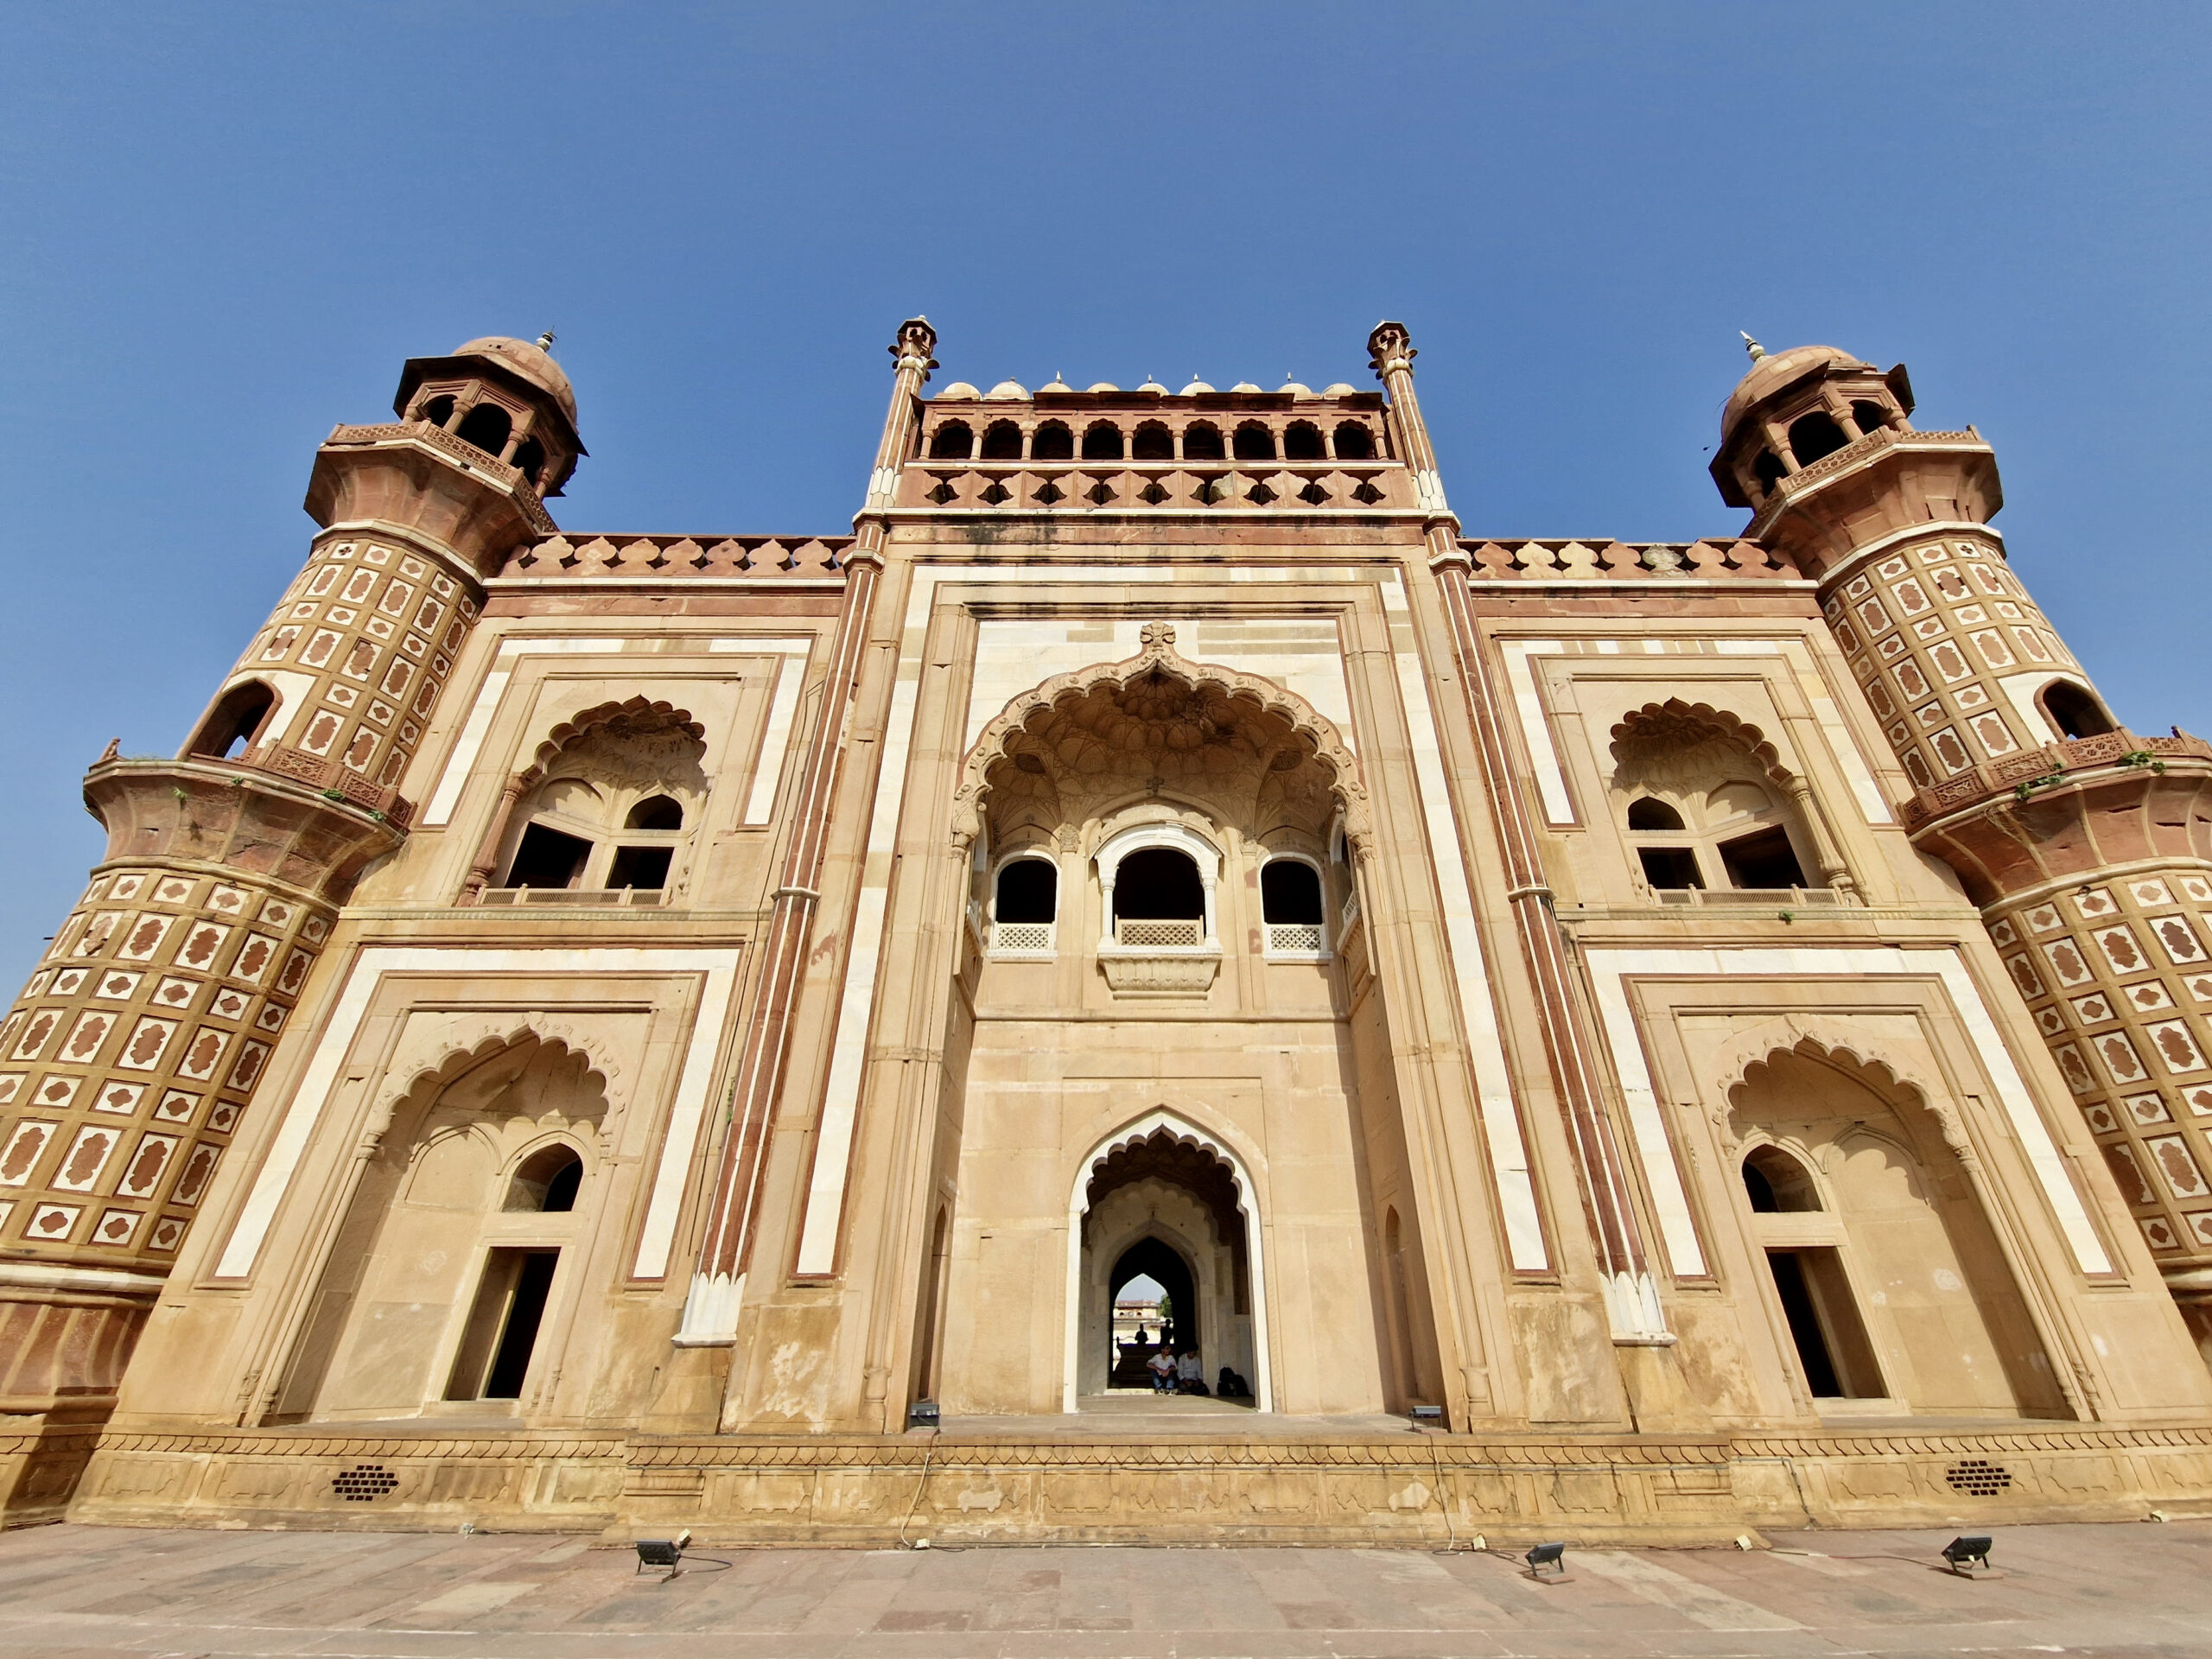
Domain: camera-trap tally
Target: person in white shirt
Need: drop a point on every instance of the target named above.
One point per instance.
(1187, 1371)
(1162, 1367)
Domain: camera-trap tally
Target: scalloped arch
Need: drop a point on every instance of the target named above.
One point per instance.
(1159, 656)
(605, 714)
(468, 1042)
(1700, 723)
(1829, 1041)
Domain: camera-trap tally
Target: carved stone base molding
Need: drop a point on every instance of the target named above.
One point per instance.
(1322, 1487)
(1184, 974)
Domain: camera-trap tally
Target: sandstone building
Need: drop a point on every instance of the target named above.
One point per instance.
(590, 1031)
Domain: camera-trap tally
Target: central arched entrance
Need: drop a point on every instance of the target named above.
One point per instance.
(1164, 1199)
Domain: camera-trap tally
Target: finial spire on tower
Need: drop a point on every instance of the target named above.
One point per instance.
(545, 341)
(1753, 347)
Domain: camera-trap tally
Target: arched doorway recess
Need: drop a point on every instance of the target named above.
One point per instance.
(1163, 1179)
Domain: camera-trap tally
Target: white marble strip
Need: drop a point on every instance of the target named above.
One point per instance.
(318, 1086)
(455, 776)
(792, 655)
(1610, 970)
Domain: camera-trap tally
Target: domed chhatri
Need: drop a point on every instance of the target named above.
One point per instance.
(532, 362)
(1007, 391)
(1797, 407)
(1772, 371)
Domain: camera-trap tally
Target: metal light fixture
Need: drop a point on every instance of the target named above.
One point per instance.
(663, 1552)
(1551, 1557)
(922, 1415)
(1968, 1557)
(1427, 1417)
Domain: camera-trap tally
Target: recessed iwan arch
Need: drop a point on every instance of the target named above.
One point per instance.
(1247, 1208)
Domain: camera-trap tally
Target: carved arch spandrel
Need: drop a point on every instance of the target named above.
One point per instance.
(639, 712)
(1830, 1040)
(1685, 727)
(458, 1044)
(1159, 656)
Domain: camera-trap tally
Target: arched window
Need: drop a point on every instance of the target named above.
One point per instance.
(1354, 441)
(438, 410)
(1778, 1184)
(1651, 814)
(1201, 441)
(1254, 442)
(1290, 904)
(1025, 905)
(1301, 440)
(1670, 866)
(2073, 710)
(1813, 435)
(1702, 797)
(953, 441)
(1101, 441)
(656, 813)
(233, 723)
(1869, 417)
(1769, 470)
(547, 1181)
(1053, 442)
(606, 827)
(1153, 441)
(530, 458)
(1002, 442)
(486, 426)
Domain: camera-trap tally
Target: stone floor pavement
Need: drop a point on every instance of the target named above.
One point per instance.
(72, 1592)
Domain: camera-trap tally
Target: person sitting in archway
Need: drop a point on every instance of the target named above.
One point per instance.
(1190, 1376)
(1230, 1386)
(1162, 1367)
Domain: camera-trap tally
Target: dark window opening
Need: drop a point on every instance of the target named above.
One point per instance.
(233, 723)
(1870, 416)
(502, 1330)
(1302, 442)
(1769, 470)
(1824, 1324)
(1813, 435)
(1669, 866)
(438, 410)
(1354, 441)
(1647, 814)
(1053, 442)
(1159, 885)
(486, 426)
(1028, 891)
(952, 442)
(1290, 891)
(547, 858)
(1101, 440)
(2073, 711)
(1254, 442)
(656, 813)
(640, 867)
(1778, 1184)
(547, 1181)
(1765, 858)
(1202, 442)
(530, 458)
(1002, 442)
(1153, 443)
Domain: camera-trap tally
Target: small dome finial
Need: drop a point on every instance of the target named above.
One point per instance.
(545, 341)
(1753, 347)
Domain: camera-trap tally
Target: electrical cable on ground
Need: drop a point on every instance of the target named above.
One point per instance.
(929, 1451)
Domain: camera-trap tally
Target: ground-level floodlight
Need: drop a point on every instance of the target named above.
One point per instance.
(1968, 1557)
(1546, 1564)
(1427, 1417)
(922, 1413)
(662, 1552)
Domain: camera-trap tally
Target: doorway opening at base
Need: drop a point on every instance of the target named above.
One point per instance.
(1164, 1202)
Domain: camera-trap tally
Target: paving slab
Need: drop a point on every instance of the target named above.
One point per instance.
(2120, 1591)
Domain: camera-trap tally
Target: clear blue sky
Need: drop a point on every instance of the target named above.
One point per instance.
(223, 228)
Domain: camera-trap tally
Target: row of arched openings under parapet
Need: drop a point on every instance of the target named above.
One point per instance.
(1157, 884)
(487, 426)
(1301, 440)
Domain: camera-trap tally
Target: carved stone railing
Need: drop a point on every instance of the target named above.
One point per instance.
(1141, 486)
(2046, 767)
(474, 459)
(752, 558)
(333, 780)
(1604, 561)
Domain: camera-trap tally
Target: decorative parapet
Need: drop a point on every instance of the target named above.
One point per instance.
(578, 556)
(1606, 561)
(1788, 489)
(2050, 767)
(1002, 487)
(336, 782)
(468, 455)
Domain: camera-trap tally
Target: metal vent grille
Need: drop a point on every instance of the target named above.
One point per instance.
(1978, 1477)
(364, 1482)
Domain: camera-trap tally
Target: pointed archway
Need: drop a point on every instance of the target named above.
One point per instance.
(1162, 1177)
